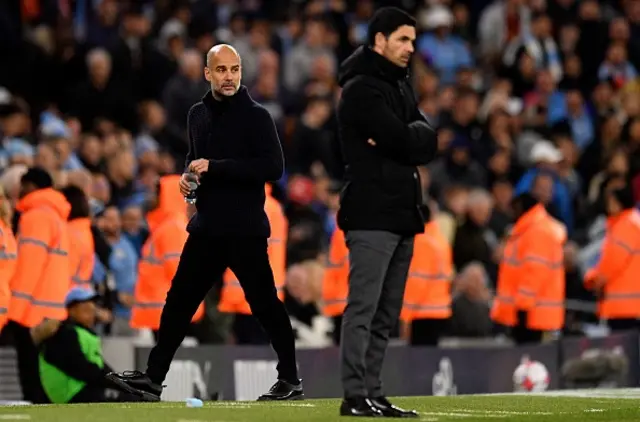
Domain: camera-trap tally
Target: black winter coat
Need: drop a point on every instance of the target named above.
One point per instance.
(239, 138)
(382, 189)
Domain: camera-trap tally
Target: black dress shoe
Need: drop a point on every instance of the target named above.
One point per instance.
(389, 410)
(136, 383)
(359, 406)
(283, 390)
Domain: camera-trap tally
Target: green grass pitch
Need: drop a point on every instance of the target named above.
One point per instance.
(616, 405)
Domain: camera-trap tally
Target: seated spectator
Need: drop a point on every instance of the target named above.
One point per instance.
(474, 241)
(444, 51)
(616, 68)
(470, 305)
(457, 166)
(123, 264)
(545, 157)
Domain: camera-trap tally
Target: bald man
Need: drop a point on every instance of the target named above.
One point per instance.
(234, 151)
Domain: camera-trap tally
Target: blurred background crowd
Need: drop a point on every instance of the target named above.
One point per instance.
(527, 95)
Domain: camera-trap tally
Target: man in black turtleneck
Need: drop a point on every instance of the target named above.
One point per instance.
(384, 137)
(234, 151)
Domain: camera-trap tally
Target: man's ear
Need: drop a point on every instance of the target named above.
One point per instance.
(380, 40)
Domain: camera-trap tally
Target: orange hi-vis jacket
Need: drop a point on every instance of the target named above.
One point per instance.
(42, 278)
(616, 276)
(8, 256)
(160, 257)
(232, 298)
(531, 275)
(172, 199)
(81, 252)
(335, 285)
(428, 291)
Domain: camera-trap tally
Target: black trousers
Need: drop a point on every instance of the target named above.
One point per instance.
(247, 331)
(28, 368)
(204, 259)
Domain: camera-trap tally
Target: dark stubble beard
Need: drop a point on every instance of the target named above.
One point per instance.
(220, 96)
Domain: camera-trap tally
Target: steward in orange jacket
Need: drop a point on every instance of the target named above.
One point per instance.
(616, 277)
(427, 297)
(232, 297)
(531, 280)
(8, 255)
(160, 256)
(42, 278)
(335, 285)
(81, 244)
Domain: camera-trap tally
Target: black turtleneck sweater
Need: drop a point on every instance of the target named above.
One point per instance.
(238, 137)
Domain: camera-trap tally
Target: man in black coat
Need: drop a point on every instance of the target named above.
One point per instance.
(234, 151)
(384, 137)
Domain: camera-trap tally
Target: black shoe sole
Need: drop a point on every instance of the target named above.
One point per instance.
(123, 386)
(351, 415)
(396, 416)
(290, 398)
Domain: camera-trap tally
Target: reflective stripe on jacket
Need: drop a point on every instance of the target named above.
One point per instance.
(615, 277)
(42, 277)
(428, 291)
(8, 261)
(531, 275)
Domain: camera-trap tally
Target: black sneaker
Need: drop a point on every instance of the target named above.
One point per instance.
(136, 383)
(283, 390)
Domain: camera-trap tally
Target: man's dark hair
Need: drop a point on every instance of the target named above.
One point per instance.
(78, 201)
(38, 177)
(387, 20)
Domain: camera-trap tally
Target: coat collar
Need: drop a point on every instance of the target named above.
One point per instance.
(241, 97)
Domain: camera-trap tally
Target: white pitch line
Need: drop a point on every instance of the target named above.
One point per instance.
(462, 415)
(232, 403)
(232, 406)
(295, 404)
(197, 420)
(505, 412)
(15, 417)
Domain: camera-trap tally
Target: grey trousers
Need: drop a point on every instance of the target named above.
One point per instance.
(379, 263)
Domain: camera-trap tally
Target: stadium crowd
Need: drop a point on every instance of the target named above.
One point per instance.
(538, 96)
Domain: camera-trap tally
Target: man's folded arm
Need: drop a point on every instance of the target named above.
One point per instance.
(413, 144)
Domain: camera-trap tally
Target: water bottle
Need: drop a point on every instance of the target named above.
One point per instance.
(193, 402)
(193, 185)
